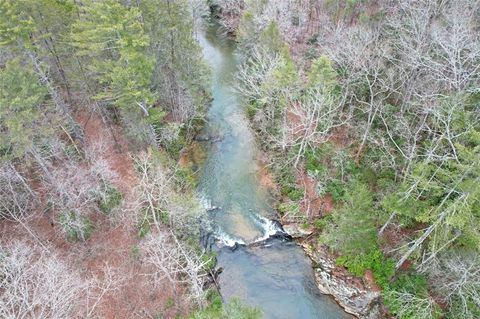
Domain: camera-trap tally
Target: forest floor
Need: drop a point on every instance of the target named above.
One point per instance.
(110, 256)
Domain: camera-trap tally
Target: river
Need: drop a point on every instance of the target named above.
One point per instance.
(273, 274)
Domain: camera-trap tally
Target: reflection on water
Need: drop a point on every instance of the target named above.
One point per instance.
(274, 275)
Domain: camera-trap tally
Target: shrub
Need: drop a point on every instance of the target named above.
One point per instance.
(163, 217)
(76, 227)
(407, 305)
(72, 152)
(363, 18)
(321, 223)
(252, 108)
(412, 282)
(290, 208)
(311, 53)
(295, 195)
(144, 224)
(169, 303)
(135, 251)
(313, 39)
(110, 199)
(234, 309)
(174, 147)
(352, 230)
(367, 175)
(185, 178)
(286, 180)
(337, 189)
(313, 162)
(382, 269)
(210, 259)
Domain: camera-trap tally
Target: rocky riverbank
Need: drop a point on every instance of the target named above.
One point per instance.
(358, 296)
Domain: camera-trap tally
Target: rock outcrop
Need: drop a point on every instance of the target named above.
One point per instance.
(350, 292)
(297, 231)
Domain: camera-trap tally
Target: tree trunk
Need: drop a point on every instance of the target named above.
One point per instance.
(56, 98)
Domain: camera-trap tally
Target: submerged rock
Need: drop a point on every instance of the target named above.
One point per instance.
(282, 236)
(236, 246)
(349, 291)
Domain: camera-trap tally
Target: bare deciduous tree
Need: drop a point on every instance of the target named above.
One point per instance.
(181, 265)
(17, 199)
(317, 115)
(254, 73)
(157, 202)
(110, 281)
(153, 189)
(410, 305)
(35, 284)
(16, 195)
(76, 190)
(456, 277)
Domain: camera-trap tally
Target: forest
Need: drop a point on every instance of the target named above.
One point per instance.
(367, 113)
(376, 105)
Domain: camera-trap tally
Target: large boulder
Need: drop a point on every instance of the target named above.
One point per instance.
(297, 231)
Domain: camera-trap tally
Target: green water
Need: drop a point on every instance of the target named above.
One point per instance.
(273, 274)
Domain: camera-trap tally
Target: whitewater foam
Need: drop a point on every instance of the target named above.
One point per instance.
(270, 227)
(226, 239)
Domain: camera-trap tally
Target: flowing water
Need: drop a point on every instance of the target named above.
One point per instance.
(273, 274)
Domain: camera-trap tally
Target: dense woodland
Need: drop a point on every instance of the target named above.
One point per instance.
(377, 104)
(371, 108)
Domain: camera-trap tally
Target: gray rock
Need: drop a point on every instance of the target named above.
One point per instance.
(348, 291)
(297, 231)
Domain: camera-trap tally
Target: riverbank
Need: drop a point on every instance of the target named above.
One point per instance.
(359, 297)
